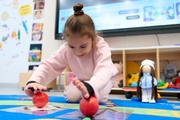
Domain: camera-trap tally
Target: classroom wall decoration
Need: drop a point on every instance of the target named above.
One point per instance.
(21, 36)
(35, 53)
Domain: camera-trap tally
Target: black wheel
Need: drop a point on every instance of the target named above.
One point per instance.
(128, 95)
(178, 95)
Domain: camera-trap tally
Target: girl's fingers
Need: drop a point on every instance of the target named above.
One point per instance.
(36, 87)
(81, 87)
(74, 82)
(86, 95)
(33, 88)
(44, 88)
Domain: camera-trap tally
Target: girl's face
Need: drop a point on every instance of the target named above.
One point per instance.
(36, 36)
(38, 15)
(81, 46)
(38, 5)
(36, 27)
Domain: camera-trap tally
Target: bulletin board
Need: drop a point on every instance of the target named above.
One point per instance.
(21, 36)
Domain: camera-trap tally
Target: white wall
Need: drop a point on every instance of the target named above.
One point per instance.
(16, 29)
(50, 45)
(144, 40)
(14, 52)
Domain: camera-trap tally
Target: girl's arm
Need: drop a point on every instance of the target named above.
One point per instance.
(104, 70)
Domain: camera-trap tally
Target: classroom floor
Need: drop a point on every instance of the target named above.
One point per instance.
(13, 89)
(13, 102)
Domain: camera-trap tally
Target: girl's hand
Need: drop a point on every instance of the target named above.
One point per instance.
(82, 88)
(36, 86)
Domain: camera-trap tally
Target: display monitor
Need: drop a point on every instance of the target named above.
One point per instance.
(124, 17)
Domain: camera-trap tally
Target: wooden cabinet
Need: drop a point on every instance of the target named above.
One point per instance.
(24, 77)
(158, 54)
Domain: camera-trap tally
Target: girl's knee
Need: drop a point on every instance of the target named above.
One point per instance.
(103, 100)
(72, 95)
(72, 98)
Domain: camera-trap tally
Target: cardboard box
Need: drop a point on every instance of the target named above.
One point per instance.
(24, 77)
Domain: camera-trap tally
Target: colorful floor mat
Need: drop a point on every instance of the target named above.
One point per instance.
(17, 107)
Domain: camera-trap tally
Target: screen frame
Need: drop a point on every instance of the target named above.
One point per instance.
(163, 29)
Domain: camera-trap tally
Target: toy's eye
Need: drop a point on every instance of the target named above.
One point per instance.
(129, 76)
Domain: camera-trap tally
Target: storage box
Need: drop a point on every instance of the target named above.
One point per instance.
(24, 77)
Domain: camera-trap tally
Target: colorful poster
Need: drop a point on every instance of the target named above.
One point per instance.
(35, 53)
(160, 12)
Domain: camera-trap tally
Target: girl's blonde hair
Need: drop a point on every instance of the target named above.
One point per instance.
(79, 24)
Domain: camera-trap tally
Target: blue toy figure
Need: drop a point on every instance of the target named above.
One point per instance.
(146, 89)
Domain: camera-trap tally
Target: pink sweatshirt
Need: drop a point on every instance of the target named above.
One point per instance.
(97, 68)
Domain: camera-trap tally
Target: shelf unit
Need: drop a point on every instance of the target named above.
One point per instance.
(155, 53)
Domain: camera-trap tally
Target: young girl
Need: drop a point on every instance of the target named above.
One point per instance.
(38, 14)
(38, 5)
(37, 27)
(36, 36)
(87, 55)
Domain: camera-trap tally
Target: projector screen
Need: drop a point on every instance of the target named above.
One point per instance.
(124, 17)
